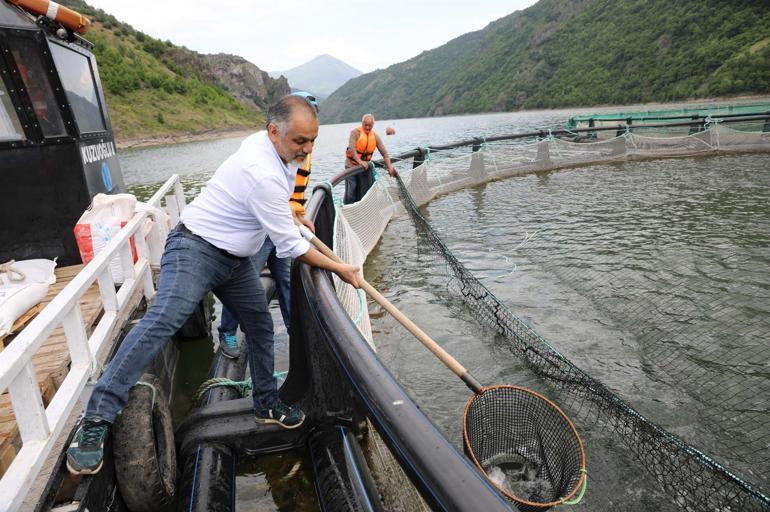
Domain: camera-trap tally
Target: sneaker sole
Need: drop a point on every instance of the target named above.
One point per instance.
(229, 356)
(265, 421)
(74, 471)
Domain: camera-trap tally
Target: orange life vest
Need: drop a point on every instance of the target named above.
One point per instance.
(365, 145)
(297, 199)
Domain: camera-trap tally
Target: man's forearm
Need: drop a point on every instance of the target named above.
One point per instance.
(348, 273)
(314, 258)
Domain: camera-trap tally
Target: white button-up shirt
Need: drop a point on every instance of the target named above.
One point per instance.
(246, 200)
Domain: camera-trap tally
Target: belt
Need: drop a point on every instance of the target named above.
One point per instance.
(183, 229)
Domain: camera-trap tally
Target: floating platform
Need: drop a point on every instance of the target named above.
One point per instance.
(642, 117)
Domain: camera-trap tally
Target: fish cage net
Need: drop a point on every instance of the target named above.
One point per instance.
(525, 445)
(690, 477)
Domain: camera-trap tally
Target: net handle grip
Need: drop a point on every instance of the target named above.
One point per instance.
(449, 361)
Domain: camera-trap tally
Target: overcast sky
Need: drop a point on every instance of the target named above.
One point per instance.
(279, 35)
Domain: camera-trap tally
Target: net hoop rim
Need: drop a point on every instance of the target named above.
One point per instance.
(505, 493)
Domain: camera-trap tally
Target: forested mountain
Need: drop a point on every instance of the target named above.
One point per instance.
(321, 75)
(576, 53)
(154, 88)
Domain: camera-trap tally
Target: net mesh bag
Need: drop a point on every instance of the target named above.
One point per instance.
(525, 445)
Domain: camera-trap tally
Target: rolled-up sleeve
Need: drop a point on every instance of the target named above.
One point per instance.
(268, 201)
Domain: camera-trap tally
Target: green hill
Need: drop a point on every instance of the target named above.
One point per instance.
(561, 53)
(154, 88)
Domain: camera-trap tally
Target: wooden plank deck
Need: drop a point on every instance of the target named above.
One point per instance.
(51, 361)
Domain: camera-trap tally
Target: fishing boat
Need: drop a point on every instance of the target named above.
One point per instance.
(58, 153)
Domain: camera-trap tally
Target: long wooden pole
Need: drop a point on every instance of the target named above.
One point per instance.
(418, 333)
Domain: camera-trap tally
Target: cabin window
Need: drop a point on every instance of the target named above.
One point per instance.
(32, 71)
(10, 127)
(78, 80)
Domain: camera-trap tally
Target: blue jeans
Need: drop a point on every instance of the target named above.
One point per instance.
(280, 270)
(189, 269)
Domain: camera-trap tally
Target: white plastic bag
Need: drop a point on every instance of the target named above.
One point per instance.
(100, 224)
(154, 230)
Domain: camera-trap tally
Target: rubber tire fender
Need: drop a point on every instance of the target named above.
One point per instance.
(144, 451)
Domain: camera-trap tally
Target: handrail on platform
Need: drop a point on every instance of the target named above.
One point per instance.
(40, 426)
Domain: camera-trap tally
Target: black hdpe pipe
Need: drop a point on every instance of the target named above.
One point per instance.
(208, 471)
(342, 478)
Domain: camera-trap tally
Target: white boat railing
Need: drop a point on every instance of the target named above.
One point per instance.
(40, 426)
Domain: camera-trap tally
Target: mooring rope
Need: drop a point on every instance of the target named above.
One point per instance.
(243, 387)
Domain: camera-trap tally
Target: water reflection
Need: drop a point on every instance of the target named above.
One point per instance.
(281, 482)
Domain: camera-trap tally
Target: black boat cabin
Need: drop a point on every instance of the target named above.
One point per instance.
(57, 149)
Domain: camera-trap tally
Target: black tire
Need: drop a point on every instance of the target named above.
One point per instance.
(145, 455)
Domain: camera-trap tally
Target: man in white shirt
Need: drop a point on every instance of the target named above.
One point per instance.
(245, 201)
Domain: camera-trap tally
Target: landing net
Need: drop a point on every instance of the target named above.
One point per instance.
(692, 479)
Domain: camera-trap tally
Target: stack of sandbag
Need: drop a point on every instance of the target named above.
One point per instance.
(23, 285)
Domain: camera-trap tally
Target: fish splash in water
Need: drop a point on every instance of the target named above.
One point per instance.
(520, 479)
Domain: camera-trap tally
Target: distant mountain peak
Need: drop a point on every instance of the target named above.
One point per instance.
(321, 75)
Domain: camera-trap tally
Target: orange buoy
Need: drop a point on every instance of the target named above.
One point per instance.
(390, 131)
(58, 13)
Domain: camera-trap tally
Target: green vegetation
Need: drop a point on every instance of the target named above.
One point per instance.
(561, 53)
(154, 88)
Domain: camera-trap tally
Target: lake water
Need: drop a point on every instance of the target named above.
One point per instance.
(651, 276)
(589, 258)
(145, 168)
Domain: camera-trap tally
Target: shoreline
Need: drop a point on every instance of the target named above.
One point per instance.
(182, 137)
(224, 133)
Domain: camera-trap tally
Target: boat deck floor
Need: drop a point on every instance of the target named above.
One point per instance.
(51, 362)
